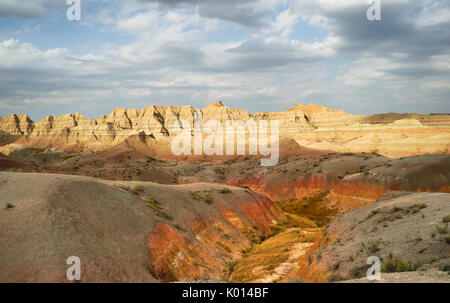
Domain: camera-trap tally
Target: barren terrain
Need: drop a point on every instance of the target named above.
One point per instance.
(110, 191)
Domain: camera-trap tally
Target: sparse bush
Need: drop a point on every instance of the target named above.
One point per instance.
(446, 219)
(225, 190)
(226, 248)
(396, 208)
(357, 272)
(447, 240)
(374, 246)
(373, 213)
(442, 229)
(392, 264)
(194, 195)
(157, 209)
(208, 200)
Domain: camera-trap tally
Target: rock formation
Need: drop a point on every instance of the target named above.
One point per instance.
(311, 126)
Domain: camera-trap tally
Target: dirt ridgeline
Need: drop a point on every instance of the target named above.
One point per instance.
(124, 231)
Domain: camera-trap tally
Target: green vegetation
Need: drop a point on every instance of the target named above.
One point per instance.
(373, 213)
(445, 267)
(374, 246)
(442, 229)
(196, 196)
(157, 209)
(226, 248)
(208, 199)
(398, 212)
(9, 205)
(314, 208)
(446, 219)
(138, 188)
(244, 186)
(225, 190)
(269, 255)
(253, 235)
(392, 264)
(152, 159)
(358, 272)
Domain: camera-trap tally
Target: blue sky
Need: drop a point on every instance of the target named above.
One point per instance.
(252, 54)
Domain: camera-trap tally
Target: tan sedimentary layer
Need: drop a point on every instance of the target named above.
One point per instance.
(312, 126)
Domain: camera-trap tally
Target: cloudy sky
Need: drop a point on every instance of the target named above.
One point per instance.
(259, 55)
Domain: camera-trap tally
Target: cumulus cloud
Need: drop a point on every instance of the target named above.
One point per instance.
(185, 52)
(249, 13)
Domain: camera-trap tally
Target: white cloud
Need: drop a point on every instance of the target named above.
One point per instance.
(182, 55)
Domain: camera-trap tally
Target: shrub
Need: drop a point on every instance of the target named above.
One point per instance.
(208, 200)
(9, 205)
(392, 264)
(442, 229)
(374, 246)
(157, 209)
(194, 196)
(446, 219)
(225, 190)
(226, 248)
(373, 213)
(445, 267)
(357, 272)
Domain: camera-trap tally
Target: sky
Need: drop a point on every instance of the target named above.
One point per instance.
(258, 55)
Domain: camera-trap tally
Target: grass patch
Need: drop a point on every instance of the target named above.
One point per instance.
(314, 208)
(157, 209)
(446, 219)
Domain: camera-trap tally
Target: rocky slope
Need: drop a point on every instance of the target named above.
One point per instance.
(407, 231)
(312, 126)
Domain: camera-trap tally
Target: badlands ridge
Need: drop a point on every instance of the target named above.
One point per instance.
(312, 126)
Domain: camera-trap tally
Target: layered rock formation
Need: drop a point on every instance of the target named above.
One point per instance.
(312, 126)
